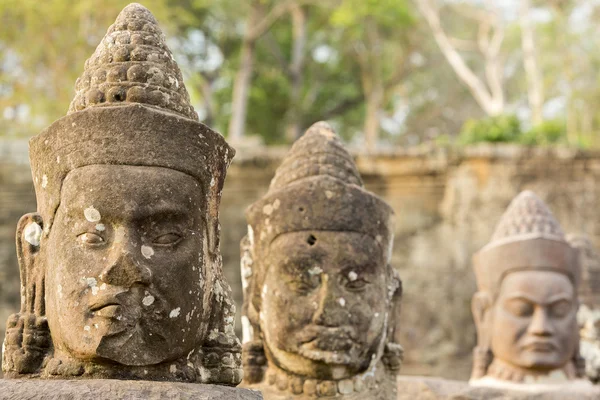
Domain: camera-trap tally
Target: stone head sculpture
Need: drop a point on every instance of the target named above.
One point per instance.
(321, 299)
(120, 267)
(526, 305)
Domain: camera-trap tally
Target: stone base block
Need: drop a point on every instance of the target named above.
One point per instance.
(110, 389)
(425, 388)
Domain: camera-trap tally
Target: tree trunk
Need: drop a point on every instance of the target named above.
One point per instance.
(490, 97)
(535, 87)
(206, 86)
(241, 85)
(293, 128)
(372, 85)
(371, 125)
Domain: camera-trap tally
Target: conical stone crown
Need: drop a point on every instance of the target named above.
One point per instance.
(527, 217)
(132, 64)
(318, 152)
(528, 236)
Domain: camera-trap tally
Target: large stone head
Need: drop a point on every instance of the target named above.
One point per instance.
(321, 297)
(526, 305)
(122, 257)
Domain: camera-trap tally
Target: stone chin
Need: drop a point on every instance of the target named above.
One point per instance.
(135, 349)
(314, 360)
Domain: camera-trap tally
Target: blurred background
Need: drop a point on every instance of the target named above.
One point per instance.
(451, 108)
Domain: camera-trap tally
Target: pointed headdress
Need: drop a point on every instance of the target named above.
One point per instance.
(318, 187)
(527, 237)
(131, 108)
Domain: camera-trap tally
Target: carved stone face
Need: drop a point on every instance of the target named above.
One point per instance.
(324, 301)
(124, 275)
(534, 323)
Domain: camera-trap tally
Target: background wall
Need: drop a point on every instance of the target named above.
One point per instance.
(446, 203)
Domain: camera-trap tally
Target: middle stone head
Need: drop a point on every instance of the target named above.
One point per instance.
(320, 294)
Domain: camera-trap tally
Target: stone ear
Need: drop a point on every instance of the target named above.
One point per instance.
(393, 352)
(481, 305)
(28, 241)
(27, 335)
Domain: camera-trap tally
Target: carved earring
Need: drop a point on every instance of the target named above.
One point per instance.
(27, 333)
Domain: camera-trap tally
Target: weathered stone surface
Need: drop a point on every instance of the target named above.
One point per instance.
(120, 268)
(425, 388)
(525, 309)
(110, 389)
(322, 302)
(446, 205)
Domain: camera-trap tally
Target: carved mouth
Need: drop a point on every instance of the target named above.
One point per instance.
(315, 333)
(541, 347)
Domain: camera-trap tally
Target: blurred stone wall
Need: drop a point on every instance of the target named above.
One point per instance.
(446, 204)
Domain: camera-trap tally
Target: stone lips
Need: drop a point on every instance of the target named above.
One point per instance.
(526, 237)
(132, 134)
(132, 64)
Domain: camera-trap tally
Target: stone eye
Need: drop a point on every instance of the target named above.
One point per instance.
(91, 238)
(168, 238)
(560, 309)
(357, 284)
(301, 287)
(520, 308)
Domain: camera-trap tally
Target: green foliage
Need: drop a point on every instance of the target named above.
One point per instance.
(546, 133)
(507, 129)
(503, 128)
(389, 13)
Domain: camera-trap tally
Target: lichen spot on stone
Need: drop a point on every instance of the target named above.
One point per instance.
(91, 282)
(91, 214)
(315, 270)
(33, 234)
(175, 312)
(148, 299)
(100, 227)
(268, 209)
(328, 194)
(147, 251)
(352, 276)
(44, 181)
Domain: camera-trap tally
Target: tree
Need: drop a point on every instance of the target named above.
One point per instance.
(489, 94)
(376, 33)
(535, 86)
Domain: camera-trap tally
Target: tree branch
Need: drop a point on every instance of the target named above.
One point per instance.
(491, 105)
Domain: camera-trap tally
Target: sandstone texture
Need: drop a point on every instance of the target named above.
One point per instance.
(446, 205)
(109, 389)
(424, 388)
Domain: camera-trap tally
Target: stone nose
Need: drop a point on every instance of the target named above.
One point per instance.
(331, 308)
(125, 267)
(540, 325)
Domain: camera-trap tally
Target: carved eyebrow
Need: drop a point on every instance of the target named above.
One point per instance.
(161, 212)
(552, 300)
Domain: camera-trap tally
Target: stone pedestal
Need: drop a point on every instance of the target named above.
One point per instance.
(425, 388)
(105, 389)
